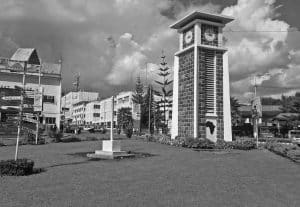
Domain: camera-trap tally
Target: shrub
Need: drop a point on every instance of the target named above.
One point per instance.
(70, 139)
(222, 144)
(243, 144)
(19, 167)
(281, 140)
(91, 139)
(129, 132)
(190, 142)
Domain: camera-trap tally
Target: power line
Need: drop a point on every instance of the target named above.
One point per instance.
(289, 88)
(259, 31)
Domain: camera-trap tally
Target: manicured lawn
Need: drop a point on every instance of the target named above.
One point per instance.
(172, 177)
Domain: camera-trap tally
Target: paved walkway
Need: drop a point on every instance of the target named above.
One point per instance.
(172, 177)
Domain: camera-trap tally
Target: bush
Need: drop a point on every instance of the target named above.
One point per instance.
(129, 132)
(20, 167)
(222, 144)
(190, 142)
(91, 139)
(243, 144)
(281, 140)
(70, 139)
(290, 151)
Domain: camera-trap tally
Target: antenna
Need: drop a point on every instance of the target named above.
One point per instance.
(77, 82)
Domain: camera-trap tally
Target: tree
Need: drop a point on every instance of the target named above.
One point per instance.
(235, 113)
(124, 118)
(149, 104)
(165, 92)
(138, 97)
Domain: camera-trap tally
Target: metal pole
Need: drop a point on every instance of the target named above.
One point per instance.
(149, 124)
(112, 120)
(21, 110)
(37, 115)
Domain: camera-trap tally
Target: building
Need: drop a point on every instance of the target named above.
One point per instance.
(269, 112)
(106, 112)
(78, 113)
(72, 98)
(125, 100)
(92, 113)
(47, 74)
(201, 97)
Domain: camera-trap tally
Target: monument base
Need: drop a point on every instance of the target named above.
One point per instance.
(110, 150)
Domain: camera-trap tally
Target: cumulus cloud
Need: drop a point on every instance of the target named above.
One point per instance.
(110, 42)
(260, 47)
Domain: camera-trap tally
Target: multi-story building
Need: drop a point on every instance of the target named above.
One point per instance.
(106, 112)
(125, 100)
(72, 98)
(46, 75)
(78, 113)
(92, 113)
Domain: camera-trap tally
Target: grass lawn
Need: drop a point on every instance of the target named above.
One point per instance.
(172, 177)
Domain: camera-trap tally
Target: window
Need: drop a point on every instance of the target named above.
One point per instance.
(50, 120)
(48, 99)
(96, 106)
(96, 114)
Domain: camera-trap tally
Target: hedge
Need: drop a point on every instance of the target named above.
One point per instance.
(289, 151)
(19, 167)
(200, 143)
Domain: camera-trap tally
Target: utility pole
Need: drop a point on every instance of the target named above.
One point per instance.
(21, 110)
(38, 113)
(112, 120)
(255, 115)
(149, 121)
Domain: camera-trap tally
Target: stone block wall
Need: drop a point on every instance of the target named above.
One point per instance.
(186, 94)
(201, 94)
(219, 84)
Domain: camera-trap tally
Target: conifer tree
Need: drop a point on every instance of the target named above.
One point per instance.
(165, 90)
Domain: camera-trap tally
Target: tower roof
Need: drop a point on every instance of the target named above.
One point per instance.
(28, 55)
(201, 15)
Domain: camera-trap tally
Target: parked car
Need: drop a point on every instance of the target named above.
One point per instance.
(294, 135)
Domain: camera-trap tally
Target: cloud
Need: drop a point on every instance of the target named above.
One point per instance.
(262, 48)
(128, 60)
(110, 42)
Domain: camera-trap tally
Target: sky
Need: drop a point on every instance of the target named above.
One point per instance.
(111, 42)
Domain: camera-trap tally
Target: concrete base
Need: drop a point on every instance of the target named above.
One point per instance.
(110, 150)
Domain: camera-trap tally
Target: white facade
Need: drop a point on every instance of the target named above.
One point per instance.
(78, 113)
(125, 100)
(92, 113)
(72, 98)
(106, 112)
(50, 82)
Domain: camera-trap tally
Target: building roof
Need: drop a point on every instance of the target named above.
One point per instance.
(286, 116)
(28, 55)
(81, 103)
(201, 15)
(267, 110)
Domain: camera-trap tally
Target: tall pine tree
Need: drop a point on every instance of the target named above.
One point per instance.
(165, 90)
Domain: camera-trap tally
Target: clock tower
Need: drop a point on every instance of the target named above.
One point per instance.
(201, 98)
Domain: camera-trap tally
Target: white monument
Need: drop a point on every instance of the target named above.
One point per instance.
(201, 97)
(111, 149)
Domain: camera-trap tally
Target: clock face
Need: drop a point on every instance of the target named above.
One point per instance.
(210, 35)
(188, 37)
